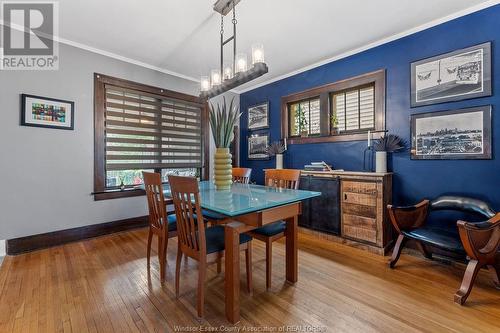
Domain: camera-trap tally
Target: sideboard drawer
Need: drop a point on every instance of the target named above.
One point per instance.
(369, 188)
(359, 233)
(359, 199)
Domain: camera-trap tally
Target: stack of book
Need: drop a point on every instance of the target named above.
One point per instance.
(318, 166)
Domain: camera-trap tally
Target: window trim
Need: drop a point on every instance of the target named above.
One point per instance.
(309, 120)
(100, 80)
(325, 92)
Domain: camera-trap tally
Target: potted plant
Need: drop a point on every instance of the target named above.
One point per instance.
(390, 143)
(276, 149)
(301, 122)
(334, 124)
(222, 122)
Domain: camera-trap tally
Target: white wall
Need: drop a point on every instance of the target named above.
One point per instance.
(47, 174)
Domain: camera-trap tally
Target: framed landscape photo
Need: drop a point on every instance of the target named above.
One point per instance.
(39, 111)
(454, 76)
(258, 116)
(448, 135)
(257, 144)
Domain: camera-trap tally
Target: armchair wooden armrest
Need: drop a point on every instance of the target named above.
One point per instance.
(481, 242)
(408, 217)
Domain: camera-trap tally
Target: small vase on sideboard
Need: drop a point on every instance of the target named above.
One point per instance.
(381, 161)
(279, 161)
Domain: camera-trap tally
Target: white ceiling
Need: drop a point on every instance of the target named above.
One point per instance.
(183, 36)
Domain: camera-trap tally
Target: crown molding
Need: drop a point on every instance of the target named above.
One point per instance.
(379, 42)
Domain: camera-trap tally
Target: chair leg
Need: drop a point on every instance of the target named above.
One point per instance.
(248, 259)
(219, 263)
(269, 262)
(202, 267)
(396, 252)
(468, 281)
(424, 250)
(161, 258)
(178, 271)
(150, 238)
(496, 274)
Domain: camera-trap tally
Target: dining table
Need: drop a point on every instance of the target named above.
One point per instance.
(246, 207)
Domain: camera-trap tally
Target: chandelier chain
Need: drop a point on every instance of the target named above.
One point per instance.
(234, 21)
(222, 24)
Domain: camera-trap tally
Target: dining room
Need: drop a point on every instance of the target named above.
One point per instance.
(249, 166)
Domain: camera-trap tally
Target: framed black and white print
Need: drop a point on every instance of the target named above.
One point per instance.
(448, 135)
(454, 76)
(258, 116)
(257, 144)
(46, 112)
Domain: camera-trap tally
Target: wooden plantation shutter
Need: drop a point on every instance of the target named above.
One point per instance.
(355, 109)
(146, 131)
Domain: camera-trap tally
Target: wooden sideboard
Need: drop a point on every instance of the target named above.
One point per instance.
(363, 198)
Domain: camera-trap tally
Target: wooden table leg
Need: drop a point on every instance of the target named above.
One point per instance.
(291, 249)
(232, 274)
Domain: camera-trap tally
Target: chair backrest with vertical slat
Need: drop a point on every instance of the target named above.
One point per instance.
(241, 175)
(156, 201)
(284, 178)
(190, 226)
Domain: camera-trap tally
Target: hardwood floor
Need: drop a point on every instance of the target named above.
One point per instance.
(102, 285)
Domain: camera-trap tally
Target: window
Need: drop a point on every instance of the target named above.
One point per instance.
(354, 109)
(141, 128)
(341, 111)
(304, 117)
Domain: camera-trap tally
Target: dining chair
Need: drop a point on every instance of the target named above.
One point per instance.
(279, 178)
(205, 245)
(161, 223)
(241, 175)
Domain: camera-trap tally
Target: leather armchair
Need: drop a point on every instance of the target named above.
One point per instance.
(479, 241)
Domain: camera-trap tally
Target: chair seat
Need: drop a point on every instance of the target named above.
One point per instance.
(214, 237)
(210, 215)
(271, 229)
(172, 222)
(444, 238)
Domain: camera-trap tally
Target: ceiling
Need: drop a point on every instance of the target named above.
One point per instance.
(182, 37)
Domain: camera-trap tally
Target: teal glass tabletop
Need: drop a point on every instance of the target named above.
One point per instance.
(245, 198)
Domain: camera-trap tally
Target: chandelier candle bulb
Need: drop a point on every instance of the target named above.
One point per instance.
(241, 62)
(216, 77)
(257, 53)
(205, 83)
(228, 72)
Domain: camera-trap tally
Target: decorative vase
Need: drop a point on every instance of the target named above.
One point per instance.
(381, 161)
(279, 161)
(304, 134)
(334, 131)
(223, 170)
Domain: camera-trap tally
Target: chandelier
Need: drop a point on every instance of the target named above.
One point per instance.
(235, 73)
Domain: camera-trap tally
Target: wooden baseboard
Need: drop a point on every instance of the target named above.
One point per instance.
(349, 242)
(49, 239)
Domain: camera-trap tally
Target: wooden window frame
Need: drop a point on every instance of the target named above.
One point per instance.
(325, 92)
(100, 80)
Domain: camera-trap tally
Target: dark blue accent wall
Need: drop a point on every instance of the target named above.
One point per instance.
(413, 179)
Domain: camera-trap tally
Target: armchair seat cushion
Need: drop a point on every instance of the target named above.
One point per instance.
(445, 238)
(271, 229)
(214, 237)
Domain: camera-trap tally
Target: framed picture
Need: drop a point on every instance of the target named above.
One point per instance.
(258, 116)
(257, 144)
(47, 112)
(447, 135)
(454, 76)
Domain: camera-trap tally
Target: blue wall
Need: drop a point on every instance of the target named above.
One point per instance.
(414, 179)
